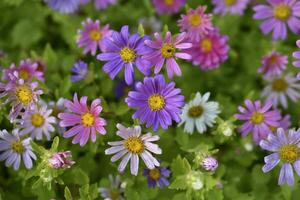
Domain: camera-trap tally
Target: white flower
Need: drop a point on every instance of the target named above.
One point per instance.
(200, 113)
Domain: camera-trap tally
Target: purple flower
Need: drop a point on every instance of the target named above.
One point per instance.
(168, 6)
(13, 150)
(121, 89)
(115, 190)
(79, 71)
(157, 176)
(103, 4)
(277, 15)
(230, 6)
(59, 160)
(166, 51)
(258, 119)
(286, 149)
(210, 164)
(125, 51)
(63, 6)
(133, 146)
(297, 56)
(158, 102)
(273, 64)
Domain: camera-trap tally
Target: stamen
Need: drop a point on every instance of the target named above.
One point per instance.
(156, 102)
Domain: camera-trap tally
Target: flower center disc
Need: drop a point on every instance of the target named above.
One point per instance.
(167, 50)
(17, 147)
(95, 35)
(37, 120)
(279, 85)
(282, 12)
(127, 54)
(206, 45)
(24, 74)
(195, 20)
(156, 102)
(87, 119)
(154, 173)
(272, 60)
(168, 2)
(257, 118)
(24, 94)
(229, 2)
(134, 145)
(195, 111)
(289, 153)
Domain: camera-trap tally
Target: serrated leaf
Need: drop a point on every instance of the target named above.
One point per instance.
(179, 183)
(180, 166)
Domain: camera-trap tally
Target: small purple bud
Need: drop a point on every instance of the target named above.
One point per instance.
(210, 163)
(59, 160)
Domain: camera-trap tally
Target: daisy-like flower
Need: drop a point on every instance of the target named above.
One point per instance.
(296, 55)
(37, 123)
(273, 64)
(60, 160)
(132, 147)
(285, 149)
(64, 6)
(167, 51)
(199, 113)
(210, 51)
(157, 176)
(13, 150)
(278, 15)
(79, 71)
(158, 102)
(282, 88)
(91, 36)
(196, 23)
(259, 118)
(115, 191)
(168, 6)
(230, 6)
(85, 121)
(125, 51)
(103, 4)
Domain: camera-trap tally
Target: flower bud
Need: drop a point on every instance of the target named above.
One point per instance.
(210, 163)
(59, 160)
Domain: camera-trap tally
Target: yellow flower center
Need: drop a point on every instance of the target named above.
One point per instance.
(280, 85)
(134, 145)
(95, 35)
(168, 2)
(156, 102)
(24, 94)
(272, 60)
(282, 12)
(195, 111)
(37, 120)
(273, 129)
(154, 174)
(229, 2)
(127, 54)
(17, 147)
(167, 50)
(289, 153)
(206, 45)
(24, 74)
(257, 118)
(87, 119)
(195, 20)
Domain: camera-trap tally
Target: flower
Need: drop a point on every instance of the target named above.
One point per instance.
(196, 23)
(121, 89)
(13, 150)
(125, 51)
(158, 102)
(38, 122)
(282, 88)
(58, 107)
(79, 71)
(166, 51)
(116, 189)
(286, 149)
(296, 55)
(210, 164)
(103, 4)
(278, 15)
(168, 6)
(157, 176)
(273, 64)
(199, 112)
(258, 119)
(132, 147)
(92, 35)
(85, 121)
(210, 51)
(64, 6)
(150, 25)
(230, 6)
(59, 160)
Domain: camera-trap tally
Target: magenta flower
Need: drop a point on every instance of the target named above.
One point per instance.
(230, 6)
(60, 160)
(84, 121)
(92, 35)
(278, 15)
(168, 6)
(210, 164)
(273, 64)
(103, 4)
(196, 23)
(297, 56)
(212, 51)
(167, 51)
(258, 119)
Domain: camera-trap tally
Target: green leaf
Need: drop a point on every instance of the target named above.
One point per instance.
(13, 2)
(37, 148)
(141, 30)
(67, 195)
(179, 183)
(180, 166)
(55, 144)
(49, 56)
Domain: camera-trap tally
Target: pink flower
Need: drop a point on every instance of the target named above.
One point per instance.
(296, 55)
(273, 64)
(84, 121)
(168, 6)
(60, 160)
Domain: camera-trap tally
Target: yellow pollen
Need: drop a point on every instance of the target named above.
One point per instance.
(87, 119)
(95, 35)
(156, 102)
(282, 12)
(289, 153)
(195, 20)
(229, 2)
(134, 145)
(206, 45)
(195, 111)
(24, 94)
(24, 74)
(17, 147)
(127, 54)
(257, 118)
(154, 173)
(167, 50)
(168, 2)
(279, 85)
(37, 120)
